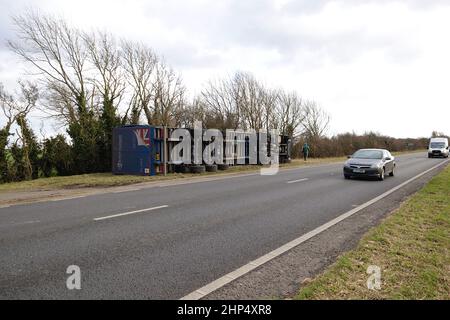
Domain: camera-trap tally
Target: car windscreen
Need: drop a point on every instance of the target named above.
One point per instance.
(437, 145)
(368, 154)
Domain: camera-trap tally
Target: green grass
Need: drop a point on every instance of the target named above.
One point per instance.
(412, 248)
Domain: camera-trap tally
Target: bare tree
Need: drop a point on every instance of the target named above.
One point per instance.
(58, 52)
(17, 108)
(219, 99)
(105, 56)
(243, 101)
(140, 65)
(27, 101)
(7, 105)
(109, 82)
(436, 134)
(168, 95)
(291, 112)
(316, 120)
(8, 109)
(13, 107)
(191, 112)
(270, 100)
(250, 98)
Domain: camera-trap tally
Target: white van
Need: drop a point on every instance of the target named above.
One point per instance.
(438, 148)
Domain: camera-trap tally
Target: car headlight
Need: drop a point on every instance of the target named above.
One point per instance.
(376, 165)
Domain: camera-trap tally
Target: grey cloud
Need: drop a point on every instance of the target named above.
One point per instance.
(256, 24)
(308, 6)
(185, 55)
(221, 25)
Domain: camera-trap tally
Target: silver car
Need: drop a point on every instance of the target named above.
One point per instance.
(375, 163)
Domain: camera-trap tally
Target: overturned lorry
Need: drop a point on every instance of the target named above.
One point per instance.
(153, 150)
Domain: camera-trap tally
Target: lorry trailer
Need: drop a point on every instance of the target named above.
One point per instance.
(148, 150)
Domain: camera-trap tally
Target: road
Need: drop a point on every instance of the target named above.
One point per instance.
(193, 234)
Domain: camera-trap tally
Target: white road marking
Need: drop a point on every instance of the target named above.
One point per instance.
(299, 180)
(19, 223)
(217, 177)
(222, 281)
(67, 198)
(126, 190)
(129, 212)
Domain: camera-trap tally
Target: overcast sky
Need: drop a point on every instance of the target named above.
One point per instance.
(373, 65)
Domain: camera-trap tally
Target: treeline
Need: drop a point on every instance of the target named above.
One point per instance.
(90, 82)
(347, 143)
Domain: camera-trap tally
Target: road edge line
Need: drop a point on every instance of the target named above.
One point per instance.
(252, 265)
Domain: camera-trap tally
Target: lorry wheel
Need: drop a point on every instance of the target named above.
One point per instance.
(179, 168)
(211, 168)
(222, 166)
(185, 169)
(198, 169)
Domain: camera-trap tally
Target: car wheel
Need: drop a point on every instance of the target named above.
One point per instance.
(391, 174)
(381, 177)
(346, 176)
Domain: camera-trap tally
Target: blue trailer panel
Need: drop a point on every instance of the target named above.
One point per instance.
(132, 150)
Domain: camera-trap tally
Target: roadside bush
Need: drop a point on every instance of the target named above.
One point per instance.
(16, 164)
(56, 157)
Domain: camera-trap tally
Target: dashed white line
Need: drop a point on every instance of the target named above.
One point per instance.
(299, 180)
(67, 198)
(129, 212)
(126, 190)
(19, 223)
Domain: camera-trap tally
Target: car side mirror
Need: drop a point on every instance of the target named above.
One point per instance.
(348, 157)
(387, 159)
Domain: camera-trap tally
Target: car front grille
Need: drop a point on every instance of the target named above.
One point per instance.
(359, 166)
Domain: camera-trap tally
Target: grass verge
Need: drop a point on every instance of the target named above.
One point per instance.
(110, 180)
(411, 246)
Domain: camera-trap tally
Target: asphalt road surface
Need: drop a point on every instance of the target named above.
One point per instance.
(166, 241)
